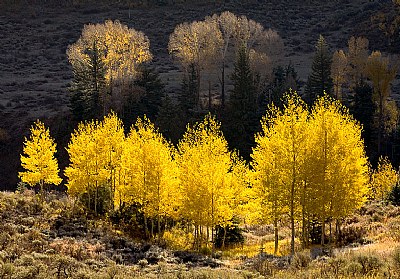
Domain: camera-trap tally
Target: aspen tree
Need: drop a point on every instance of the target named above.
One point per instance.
(205, 161)
(383, 179)
(38, 158)
(338, 73)
(339, 163)
(279, 159)
(382, 74)
(150, 173)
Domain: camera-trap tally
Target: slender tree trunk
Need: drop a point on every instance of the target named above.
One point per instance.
(209, 95)
(198, 87)
(208, 235)
(146, 230)
(95, 200)
(293, 232)
(88, 198)
(152, 228)
(276, 236)
(223, 86)
(323, 232)
(224, 238)
(158, 227)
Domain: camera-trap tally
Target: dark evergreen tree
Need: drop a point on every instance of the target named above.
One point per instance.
(229, 235)
(363, 108)
(284, 80)
(394, 195)
(187, 98)
(243, 96)
(174, 116)
(149, 100)
(87, 85)
(320, 80)
(241, 116)
(170, 120)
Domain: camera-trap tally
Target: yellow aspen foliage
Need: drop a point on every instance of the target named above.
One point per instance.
(122, 48)
(111, 137)
(195, 43)
(340, 166)
(38, 158)
(79, 171)
(239, 178)
(94, 150)
(278, 161)
(205, 164)
(383, 179)
(149, 173)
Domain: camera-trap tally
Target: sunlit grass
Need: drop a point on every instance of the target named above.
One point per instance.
(254, 249)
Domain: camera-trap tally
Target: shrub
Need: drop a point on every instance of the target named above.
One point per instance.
(301, 260)
(396, 257)
(264, 267)
(337, 264)
(352, 233)
(229, 236)
(394, 229)
(178, 239)
(370, 263)
(353, 268)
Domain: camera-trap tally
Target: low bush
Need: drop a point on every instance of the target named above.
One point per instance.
(178, 239)
(301, 260)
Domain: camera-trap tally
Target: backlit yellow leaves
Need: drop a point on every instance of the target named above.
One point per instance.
(150, 176)
(38, 158)
(309, 164)
(122, 49)
(383, 179)
(208, 175)
(95, 150)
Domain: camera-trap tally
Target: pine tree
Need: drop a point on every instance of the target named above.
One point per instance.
(363, 109)
(38, 158)
(241, 115)
(187, 98)
(320, 80)
(150, 99)
(87, 85)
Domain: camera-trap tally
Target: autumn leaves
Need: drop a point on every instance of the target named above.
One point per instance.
(308, 165)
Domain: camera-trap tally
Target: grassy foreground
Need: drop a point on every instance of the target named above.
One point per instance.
(55, 239)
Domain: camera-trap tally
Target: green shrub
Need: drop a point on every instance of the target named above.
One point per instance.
(229, 236)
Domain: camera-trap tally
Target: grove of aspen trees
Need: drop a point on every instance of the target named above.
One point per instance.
(254, 150)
